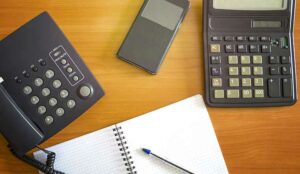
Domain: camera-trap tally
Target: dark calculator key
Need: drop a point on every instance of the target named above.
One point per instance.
(241, 38)
(274, 70)
(286, 70)
(266, 49)
(230, 48)
(242, 49)
(215, 59)
(253, 38)
(216, 71)
(254, 49)
(216, 38)
(287, 87)
(274, 88)
(229, 38)
(285, 60)
(265, 39)
(274, 60)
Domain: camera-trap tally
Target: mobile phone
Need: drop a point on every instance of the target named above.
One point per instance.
(152, 33)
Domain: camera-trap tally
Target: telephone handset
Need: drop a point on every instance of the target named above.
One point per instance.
(44, 86)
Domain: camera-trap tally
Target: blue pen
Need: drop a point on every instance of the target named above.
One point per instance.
(148, 152)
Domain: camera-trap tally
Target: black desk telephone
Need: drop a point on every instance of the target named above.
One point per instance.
(44, 86)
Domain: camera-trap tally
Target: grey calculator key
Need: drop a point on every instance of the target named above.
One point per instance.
(274, 60)
(287, 87)
(64, 93)
(42, 110)
(27, 90)
(71, 104)
(49, 74)
(49, 120)
(285, 60)
(52, 102)
(46, 92)
(286, 70)
(216, 71)
(232, 93)
(216, 59)
(35, 100)
(219, 94)
(56, 84)
(60, 112)
(274, 88)
(274, 70)
(38, 82)
(266, 49)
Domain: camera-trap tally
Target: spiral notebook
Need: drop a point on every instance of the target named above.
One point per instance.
(181, 133)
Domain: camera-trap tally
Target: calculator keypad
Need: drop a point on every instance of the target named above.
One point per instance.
(249, 69)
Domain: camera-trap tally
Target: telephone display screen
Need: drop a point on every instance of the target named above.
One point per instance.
(259, 5)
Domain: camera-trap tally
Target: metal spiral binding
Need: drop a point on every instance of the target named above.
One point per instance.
(124, 149)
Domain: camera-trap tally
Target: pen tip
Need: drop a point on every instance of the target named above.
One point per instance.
(147, 151)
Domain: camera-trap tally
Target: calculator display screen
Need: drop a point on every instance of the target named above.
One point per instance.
(260, 5)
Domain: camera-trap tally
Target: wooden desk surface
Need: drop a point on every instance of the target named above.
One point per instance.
(253, 140)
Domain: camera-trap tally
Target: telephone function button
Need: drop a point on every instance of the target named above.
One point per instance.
(85, 91)
(64, 93)
(75, 78)
(42, 110)
(63, 61)
(56, 84)
(49, 120)
(34, 68)
(52, 102)
(46, 92)
(69, 70)
(38, 82)
(43, 63)
(49, 74)
(35, 100)
(71, 104)
(60, 112)
(27, 90)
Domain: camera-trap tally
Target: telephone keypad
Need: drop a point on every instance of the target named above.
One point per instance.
(71, 104)
(56, 84)
(35, 100)
(46, 92)
(27, 90)
(49, 74)
(60, 112)
(49, 120)
(53, 102)
(42, 110)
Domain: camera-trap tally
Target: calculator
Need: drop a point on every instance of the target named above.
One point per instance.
(249, 53)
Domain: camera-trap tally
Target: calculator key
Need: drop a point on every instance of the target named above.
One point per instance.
(285, 60)
(49, 120)
(216, 71)
(254, 49)
(259, 82)
(242, 48)
(253, 38)
(233, 94)
(230, 48)
(274, 60)
(217, 82)
(71, 104)
(246, 82)
(64, 93)
(233, 71)
(259, 93)
(46, 92)
(234, 82)
(215, 59)
(56, 84)
(245, 60)
(216, 38)
(215, 48)
(38, 82)
(35, 100)
(286, 70)
(49, 74)
(257, 59)
(27, 90)
(274, 88)
(247, 93)
(219, 94)
(229, 38)
(258, 71)
(42, 110)
(266, 49)
(287, 87)
(241, 38)
(52, 102)
(274, 70)
(60, 112)
(265, 39)
(233, 60)
(246, 71)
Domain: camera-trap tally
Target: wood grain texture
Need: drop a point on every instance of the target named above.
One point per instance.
(257, 140)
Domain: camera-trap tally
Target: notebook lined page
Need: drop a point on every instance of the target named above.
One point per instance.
(96, 152)
(182, 133)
